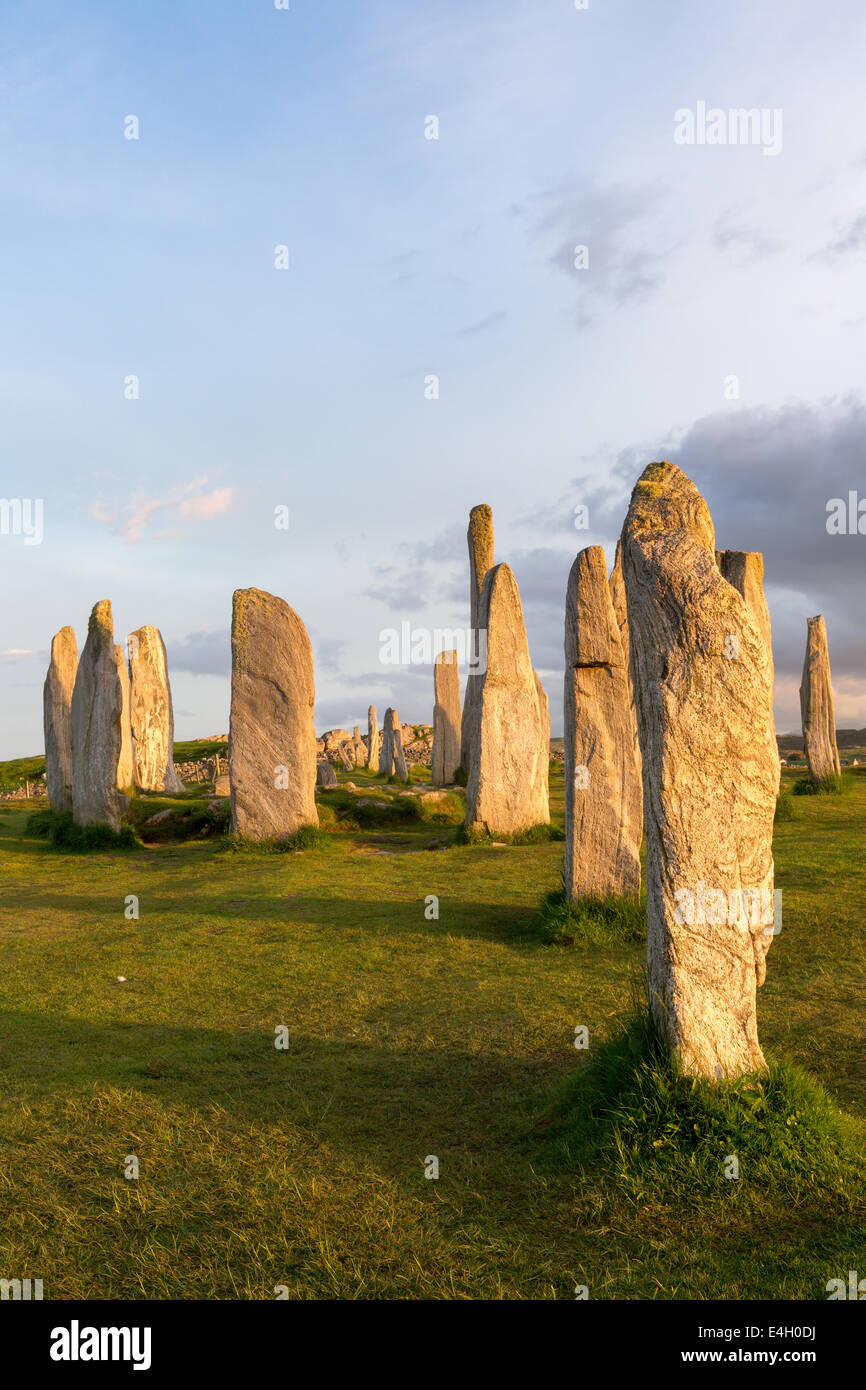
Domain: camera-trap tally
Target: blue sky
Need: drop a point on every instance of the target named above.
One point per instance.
(408, 257)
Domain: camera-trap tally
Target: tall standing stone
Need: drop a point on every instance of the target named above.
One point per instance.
(152, 717)
(703, 691)
(446, 718)
(603, 812)
(272, 738)
(386, 747)
(816, 704)
(359, 747)
(745, 570)
(124, 765)
(97, 709)
(57, 720)
(373, 738)
(507, 788)
(616, 584)
(480, 540)
(401, 771)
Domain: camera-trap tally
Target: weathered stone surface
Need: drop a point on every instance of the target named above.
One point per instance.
(603, 812)
(544, 716)
(222, 786)
(816, 704)
(346, 753)
(400, 768)
(124, 764)
(616, 585)
(359, 747)
(325, 775)
(480, 539)
(386, 749)
(372, 737)
(745, 570)
(57, 720)
(272, 739)
(446, 718)
(507, 789)
(97, 708)
(702, 684)
(151, 713)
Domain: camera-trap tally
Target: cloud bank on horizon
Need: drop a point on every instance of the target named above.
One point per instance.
(356, 274)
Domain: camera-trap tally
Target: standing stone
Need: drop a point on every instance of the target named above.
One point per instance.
(97, 709)
(816, 704)
(745, 570)
(480, 539)
(446, 718)
(124, 765)
(151, 713)
(507, 789)
(325, 775)
(400, 769)
(386, 751)
(346, 753)
(373, 738)
(272, 738)
(603, 812)
(616, 585)
(57, 720)
(359, 746)
(701, 674)
(544, 716)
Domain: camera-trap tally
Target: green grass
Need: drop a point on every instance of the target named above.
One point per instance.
(19, 770)
(835, 784)
(62, 833)
(595, 921)
(480, 838)
(409, 1035)
(194, 749)
(631, 1111)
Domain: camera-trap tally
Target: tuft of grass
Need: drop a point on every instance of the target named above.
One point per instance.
(62, 833)
(606, 921)
(480, 837)
(833, 785)
(785, 808)
(306, 837)
(674, 1135)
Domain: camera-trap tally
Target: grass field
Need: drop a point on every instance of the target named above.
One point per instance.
(409, 1037)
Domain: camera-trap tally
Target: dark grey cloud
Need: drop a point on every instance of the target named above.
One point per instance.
(612, 223)
(767, 475)
(206, 652)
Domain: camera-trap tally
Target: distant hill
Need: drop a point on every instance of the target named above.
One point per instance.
(845, 738)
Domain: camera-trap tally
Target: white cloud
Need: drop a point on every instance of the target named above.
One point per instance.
(185, 502)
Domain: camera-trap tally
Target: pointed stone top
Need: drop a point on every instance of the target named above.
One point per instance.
(480, 538)
(591, 630)
(101, 618)
(63, 643)
(447, 658)
(500, 612)
(665, 500)
(147, 639)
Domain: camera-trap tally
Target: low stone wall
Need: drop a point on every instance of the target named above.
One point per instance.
(26, 792)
